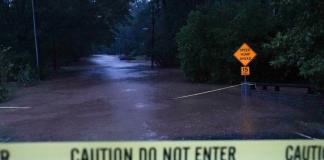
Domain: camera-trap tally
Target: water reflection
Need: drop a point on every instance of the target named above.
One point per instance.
(109, 99)
(247, 126)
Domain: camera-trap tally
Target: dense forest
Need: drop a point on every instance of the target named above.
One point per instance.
(200, 36)
(66, 31)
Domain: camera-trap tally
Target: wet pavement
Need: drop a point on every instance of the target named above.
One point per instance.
(108, 99)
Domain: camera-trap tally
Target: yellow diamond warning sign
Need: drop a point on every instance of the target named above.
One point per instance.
(245, 54)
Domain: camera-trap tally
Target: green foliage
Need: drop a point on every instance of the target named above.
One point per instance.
(167, 17)
(67, 30)
(4, 93)
(207, 42)
(27, 76)
(5, 68)
(132, 35)
(170, 18)
(16, 67)
(196, 60)
(301, 43)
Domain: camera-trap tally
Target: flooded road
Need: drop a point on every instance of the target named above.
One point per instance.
(108, 99)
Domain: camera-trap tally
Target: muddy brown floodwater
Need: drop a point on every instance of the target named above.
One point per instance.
(108, 99)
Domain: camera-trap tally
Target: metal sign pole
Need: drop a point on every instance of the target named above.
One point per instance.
(245, 86)
(35, 35)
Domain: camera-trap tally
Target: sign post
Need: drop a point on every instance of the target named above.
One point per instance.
(245, 55)
(245, 71)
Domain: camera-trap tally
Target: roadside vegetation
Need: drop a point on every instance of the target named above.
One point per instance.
(67, 30)
(287, 36)
(14, 68)
(200, 36)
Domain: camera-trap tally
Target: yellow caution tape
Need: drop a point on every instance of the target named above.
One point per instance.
(166, 150)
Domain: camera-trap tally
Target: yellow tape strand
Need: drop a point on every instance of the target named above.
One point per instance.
(166, 150)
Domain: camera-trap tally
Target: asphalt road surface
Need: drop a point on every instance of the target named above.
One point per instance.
(104, 98)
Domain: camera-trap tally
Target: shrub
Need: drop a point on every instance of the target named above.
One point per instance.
(14, 67)
(27, 76)
(4, 93)
(191, 48)
(207, 42)
(301, 44)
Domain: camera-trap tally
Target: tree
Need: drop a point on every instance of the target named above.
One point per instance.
(207, 42)
(132, 34)
(67, 29)
(170, 17)
(300, 44)
(153, 28)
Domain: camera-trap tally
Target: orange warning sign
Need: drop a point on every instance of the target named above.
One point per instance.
(245, 54)
(245, 71)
